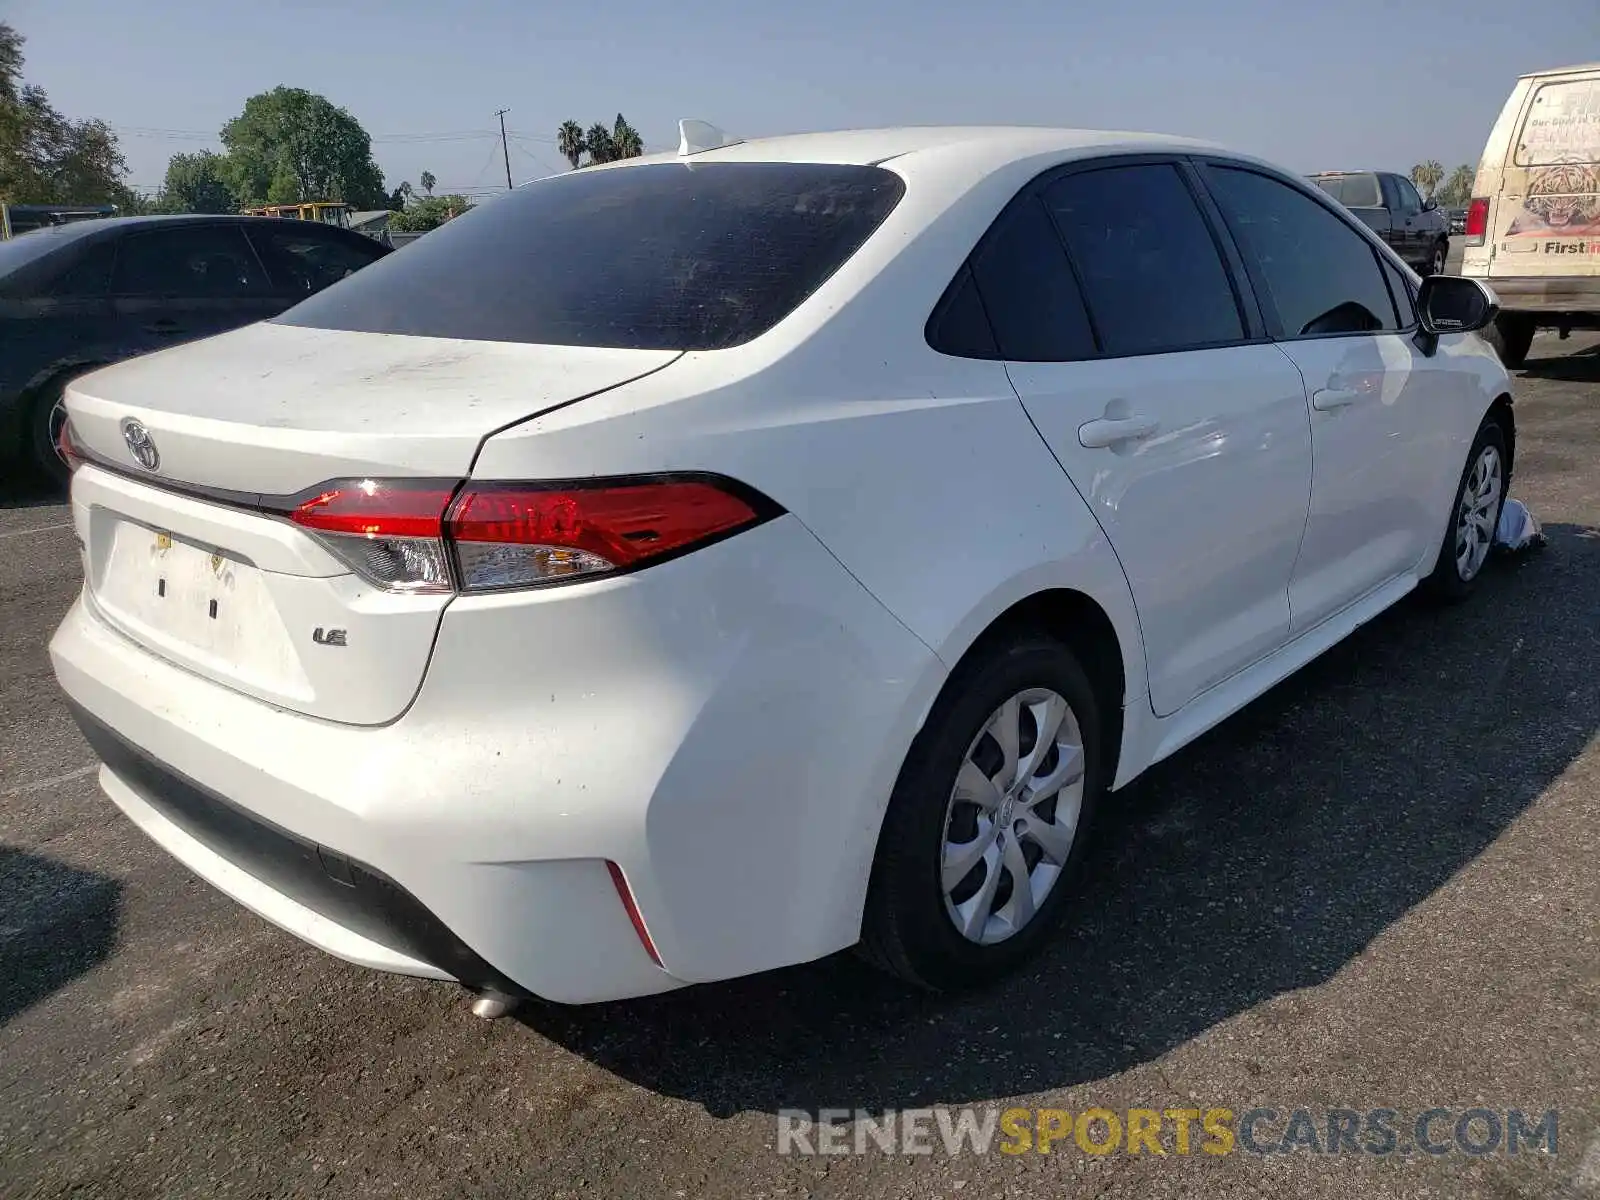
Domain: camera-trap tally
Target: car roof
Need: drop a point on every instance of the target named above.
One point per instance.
(868, 147)
(950, 157)
(1590, 66)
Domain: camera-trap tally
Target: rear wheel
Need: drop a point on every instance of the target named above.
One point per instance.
(1511, 336)
(989, 818)
(46, 416)
(1478, 500)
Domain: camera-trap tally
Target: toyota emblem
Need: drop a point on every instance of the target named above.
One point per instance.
(141, 445)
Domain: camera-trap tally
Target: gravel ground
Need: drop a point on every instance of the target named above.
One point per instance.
(1374, 888)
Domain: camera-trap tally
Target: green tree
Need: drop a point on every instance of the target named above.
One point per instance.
(1457, 189)
(1426, 175)
(197, 183)
(625, 140)
(569, 140)
(428, 180)
(290, 145)
(428, 213)
(46, 158)
(400, 197)
(598, 143)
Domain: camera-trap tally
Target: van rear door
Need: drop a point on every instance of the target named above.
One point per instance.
(1544, 216)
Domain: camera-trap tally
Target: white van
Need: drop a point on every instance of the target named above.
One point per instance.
(1533, 226)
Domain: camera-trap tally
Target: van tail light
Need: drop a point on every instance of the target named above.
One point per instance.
(429, 536)
(67, 448)
(1477, 227)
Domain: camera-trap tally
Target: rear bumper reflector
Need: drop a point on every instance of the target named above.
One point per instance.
(625, 894)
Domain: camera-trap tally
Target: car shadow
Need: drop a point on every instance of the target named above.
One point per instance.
(1582, 366)
(56, 923)
(1258, 861)
(28, 494)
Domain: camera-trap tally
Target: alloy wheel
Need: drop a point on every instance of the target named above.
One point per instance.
(1012, 816)
(1477, 512)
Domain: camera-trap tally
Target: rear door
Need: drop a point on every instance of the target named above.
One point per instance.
(1382, 412)
(1136, 357)
(1547, 219)
(183, 281)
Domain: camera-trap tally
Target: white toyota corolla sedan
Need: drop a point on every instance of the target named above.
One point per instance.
(688, 567)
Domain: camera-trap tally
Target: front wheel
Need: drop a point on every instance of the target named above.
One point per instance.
(1436, 261)
(1474, 517)
(988, 821)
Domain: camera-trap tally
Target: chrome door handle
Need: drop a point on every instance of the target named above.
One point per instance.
(1108, 431)
(1329, 399)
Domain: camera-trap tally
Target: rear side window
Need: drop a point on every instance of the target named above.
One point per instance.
(1321, 276)
(212, 262)
(1151, 272)
(661, 257)
(90, 276)
(960, 326)
(301, 260)
(1028, 290)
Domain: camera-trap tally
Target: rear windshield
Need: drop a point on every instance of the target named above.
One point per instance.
(30, 247)
(1353, 191)
(659, 257)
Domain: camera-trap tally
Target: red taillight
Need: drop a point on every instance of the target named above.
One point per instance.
(516, 536)
(370, 508)
(402, 534)
(67, 448)
(1477, 220)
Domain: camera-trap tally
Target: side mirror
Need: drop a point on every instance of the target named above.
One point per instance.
(1452, 304)
(1429, 204)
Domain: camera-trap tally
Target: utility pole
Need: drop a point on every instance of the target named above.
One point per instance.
(503, 150)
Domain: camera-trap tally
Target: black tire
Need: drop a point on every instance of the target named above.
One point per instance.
(43, 426)
(1446, 584)
(1512, 337)
(906, 929)
(1436, 260)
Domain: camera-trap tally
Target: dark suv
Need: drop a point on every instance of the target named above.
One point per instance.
(1391, 205)
(79, 296)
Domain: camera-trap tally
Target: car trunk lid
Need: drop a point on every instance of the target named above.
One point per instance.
(195, 559)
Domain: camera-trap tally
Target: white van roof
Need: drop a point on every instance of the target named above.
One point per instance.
(1594, 66)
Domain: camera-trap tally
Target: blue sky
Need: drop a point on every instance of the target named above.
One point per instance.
(1332, 83)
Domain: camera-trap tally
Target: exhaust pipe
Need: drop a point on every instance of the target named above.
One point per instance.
(490, 1004)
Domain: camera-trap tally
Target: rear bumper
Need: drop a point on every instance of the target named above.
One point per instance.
(351, 907)
(725, 728)
(1547, 294)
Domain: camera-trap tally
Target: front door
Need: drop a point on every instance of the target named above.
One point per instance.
(1343, 314)
(1189, 443)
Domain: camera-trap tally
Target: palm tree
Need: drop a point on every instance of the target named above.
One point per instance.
(428, 179)
(1458, 188)
(569, 140)
(1426, 175)
(598, 143)
(625, 140)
